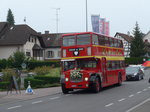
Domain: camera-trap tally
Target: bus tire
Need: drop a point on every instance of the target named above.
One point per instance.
(64, 90)
(119, 80)
(96, 85)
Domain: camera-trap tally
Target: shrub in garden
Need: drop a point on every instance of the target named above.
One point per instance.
(42, 70)
(8, 73)
(4, 85)
(35, 83)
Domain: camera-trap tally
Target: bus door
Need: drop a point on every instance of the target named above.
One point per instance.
(104, 69)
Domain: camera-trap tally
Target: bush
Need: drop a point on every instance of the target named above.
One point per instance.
(35, 83)
(48, 79)
(8, 73)
(134, 60)
(42, 70)
(4, 85)
(3, 64)
(34, 64)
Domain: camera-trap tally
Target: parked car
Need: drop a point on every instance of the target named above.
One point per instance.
(134, 73)
(141, 67)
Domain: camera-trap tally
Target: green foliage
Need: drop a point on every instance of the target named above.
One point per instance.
(48, 79)
(41, 81)
(34, 64)
(42, 70)
(10, 18)
(3, 64)
(8, 73)
(134, 60)
(137, 44)
(54, 72)
(4, 85)
(35, 83)
(17, 59)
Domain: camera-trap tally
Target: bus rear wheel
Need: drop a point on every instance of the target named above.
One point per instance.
(97, 86)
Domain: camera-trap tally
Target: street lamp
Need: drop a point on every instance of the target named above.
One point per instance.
(86, 16)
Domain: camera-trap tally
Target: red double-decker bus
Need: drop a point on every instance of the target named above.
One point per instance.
(91, 61)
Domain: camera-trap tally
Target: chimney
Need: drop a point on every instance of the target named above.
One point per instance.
(47, 32)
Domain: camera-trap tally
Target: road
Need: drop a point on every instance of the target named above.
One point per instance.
(125, 98)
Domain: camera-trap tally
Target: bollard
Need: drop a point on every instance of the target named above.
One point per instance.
(29, 90)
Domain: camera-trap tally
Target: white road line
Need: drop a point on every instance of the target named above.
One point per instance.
(37, 102)
(68, 95)
(109, 105)
(131, 95)
(54, 98)
(139, 92)
(121, 100)
(14, 107)
(144, 89)
(138, 105)
(149, 87)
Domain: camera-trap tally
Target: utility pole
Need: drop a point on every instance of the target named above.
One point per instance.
(57, 19)
(86, 16)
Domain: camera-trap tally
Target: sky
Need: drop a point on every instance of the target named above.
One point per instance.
(41, 14)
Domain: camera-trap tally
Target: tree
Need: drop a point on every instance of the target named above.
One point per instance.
(10, 18)
(17, 59)
(137, 44)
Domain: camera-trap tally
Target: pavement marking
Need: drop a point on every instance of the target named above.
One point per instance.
(68, 95)
(131, 95)
(138, 105)
(144, 89)
(149, 87)
(37, 102)
(139, 92)
(14, 107)
(109, 105)
(121, 100)
(54, 98)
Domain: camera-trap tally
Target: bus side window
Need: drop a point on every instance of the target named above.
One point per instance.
(95, 39)
(106, 41)
(101, 40)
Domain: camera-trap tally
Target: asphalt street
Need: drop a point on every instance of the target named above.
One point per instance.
(129, 97)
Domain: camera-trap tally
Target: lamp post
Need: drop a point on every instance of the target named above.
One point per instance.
(86, 16)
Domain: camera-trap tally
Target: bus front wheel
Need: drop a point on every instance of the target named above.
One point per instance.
(64, 90)
(97, 85)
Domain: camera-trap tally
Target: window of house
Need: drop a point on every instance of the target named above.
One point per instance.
(59, 53)
(50, 54)
(28, 54)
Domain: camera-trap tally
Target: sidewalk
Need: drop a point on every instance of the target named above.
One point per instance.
(4, 98)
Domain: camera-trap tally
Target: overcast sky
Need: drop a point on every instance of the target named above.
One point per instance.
(41, 14)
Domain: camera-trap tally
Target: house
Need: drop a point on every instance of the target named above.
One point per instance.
(19, 38)
(126, 42)
(52, 46)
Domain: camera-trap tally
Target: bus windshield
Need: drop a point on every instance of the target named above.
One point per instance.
(83, 39)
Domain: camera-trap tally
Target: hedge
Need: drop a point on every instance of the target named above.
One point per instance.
(135, 60)
(39, 81)
(4, 85)
(48, 79)
(34, 64)
(35, 83)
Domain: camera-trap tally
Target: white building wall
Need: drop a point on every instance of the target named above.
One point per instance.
(147, 37)
(56, 55)
(7, 51)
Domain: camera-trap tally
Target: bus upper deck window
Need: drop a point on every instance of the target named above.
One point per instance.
(69, 40)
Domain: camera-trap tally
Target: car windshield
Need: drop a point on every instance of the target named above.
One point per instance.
(132, 69)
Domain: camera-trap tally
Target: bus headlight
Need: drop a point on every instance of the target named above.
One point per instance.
(66, 79)
(64, 52)
(89, 51)
(86, 79)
